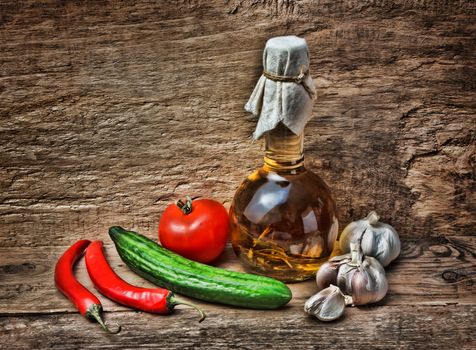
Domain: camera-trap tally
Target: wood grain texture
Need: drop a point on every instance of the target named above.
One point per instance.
(111, 110)
(406, 327)
(431, 272)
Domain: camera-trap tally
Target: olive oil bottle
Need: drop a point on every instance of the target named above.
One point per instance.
(283, 216)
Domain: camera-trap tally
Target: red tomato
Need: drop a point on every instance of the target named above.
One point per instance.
(200, 234)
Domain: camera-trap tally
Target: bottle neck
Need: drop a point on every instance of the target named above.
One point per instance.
(284, 151)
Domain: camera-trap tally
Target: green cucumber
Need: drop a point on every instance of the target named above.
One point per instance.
(178, 274)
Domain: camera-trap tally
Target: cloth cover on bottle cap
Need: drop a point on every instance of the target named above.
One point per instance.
(285, 92)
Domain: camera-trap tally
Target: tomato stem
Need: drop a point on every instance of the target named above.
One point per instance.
(186, 207)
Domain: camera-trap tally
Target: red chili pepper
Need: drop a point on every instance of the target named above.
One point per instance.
(155, 300)
(85, 301)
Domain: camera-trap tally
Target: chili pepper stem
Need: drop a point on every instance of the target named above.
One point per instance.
(94, 312)
(174, 302)
(186, 207)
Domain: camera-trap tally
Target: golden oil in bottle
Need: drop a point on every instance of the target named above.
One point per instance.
(283, 216)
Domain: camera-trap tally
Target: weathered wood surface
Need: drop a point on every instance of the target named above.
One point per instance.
(431, 302)
(410, 327)
(111, 110)
(433, 272)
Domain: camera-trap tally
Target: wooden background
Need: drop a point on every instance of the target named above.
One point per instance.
(111, 110)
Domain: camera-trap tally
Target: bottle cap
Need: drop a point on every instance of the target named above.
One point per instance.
(285, 91)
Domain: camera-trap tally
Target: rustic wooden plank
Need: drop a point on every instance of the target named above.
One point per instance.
(434, 272)
(109, 112)
(402, 327)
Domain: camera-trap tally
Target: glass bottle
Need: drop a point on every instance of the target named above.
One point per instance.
(283, 216)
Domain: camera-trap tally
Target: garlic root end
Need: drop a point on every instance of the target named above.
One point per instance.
(349, 301)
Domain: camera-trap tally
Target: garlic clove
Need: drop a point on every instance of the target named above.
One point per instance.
(361, 295)
(327, 305)
(333, 307)
(327, 274)
(384, 245)
(377, 278)
(344, 276)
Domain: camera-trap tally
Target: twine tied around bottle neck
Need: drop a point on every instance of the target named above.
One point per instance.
(298, 79)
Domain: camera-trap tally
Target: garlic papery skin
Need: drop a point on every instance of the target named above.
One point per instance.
(363, 278)
(327, 305)
(376, 238)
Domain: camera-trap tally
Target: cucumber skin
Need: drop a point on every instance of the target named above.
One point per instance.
(178, 274)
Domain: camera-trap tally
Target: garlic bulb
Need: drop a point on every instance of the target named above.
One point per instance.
(377, 239)
(327, 305)
(361, 277)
